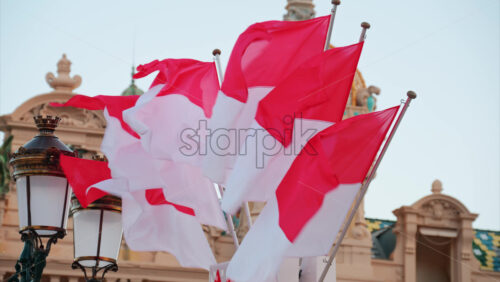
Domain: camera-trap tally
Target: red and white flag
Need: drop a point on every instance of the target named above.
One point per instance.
(262, 56)
(313, 198)
(182, 184)
(184, 130)
(146, 215)
(181, 96)
(309, 100)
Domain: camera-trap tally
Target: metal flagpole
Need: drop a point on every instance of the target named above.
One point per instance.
(229, 219)
(220, 73)
(230, 223)
(411, 95)
(247, 213)
(364, 26)
(216, 53)
(330, 25)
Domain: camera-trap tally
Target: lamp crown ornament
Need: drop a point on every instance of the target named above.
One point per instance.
(47, 124)
(40, 156)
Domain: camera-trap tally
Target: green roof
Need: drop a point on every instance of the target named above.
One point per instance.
(485, 245)
(486, 248)
(132, 89)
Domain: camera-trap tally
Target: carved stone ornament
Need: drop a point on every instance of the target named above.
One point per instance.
(71, 117)
(365, 97)
(440, 209)
(63, 82)
(359, 231)
(299, 10)
(437, 187)
(409, 250)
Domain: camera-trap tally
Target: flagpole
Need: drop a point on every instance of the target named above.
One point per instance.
(411, 95)
(330, 24)
(229, 222)
(220, 74)
(365, 26)
(248, 214)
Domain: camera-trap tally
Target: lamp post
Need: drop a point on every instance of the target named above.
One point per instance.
(97, 235)
(43, 195)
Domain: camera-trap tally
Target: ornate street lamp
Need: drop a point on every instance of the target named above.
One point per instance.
(43, 195)
(97, 235)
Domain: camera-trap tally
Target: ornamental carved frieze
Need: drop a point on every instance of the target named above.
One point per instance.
(440, 209)
(71, 117)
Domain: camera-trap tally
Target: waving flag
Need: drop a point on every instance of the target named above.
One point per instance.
(154, 224)
(186, 95)
(313, 198)
(182, 184)
(309, 100)
(263, 55)
(266, 52)
(83, 174)
(146, 215)
(195, 80)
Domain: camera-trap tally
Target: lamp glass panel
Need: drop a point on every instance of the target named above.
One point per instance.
(86, 235)
(49, 202)
(111, 234)
(22, 202)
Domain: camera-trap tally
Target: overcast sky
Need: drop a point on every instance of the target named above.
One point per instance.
(446, 50)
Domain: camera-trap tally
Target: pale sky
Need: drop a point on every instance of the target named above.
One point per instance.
(447, 51)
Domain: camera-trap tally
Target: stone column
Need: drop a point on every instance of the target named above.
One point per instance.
(464, 249)
(410, 250)
(406, 245)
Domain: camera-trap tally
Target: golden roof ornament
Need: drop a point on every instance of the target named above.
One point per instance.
(63, 82)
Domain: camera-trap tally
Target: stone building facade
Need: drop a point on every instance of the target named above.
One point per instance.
(432, 239)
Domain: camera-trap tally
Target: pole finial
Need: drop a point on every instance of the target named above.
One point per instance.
(216, 52)
(365, 27)
(411, 94)
(336, 2)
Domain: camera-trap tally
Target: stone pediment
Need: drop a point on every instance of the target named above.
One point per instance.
(71, 117)
(439, 210)
(79, 128)
(439, 206)
(73, 120)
